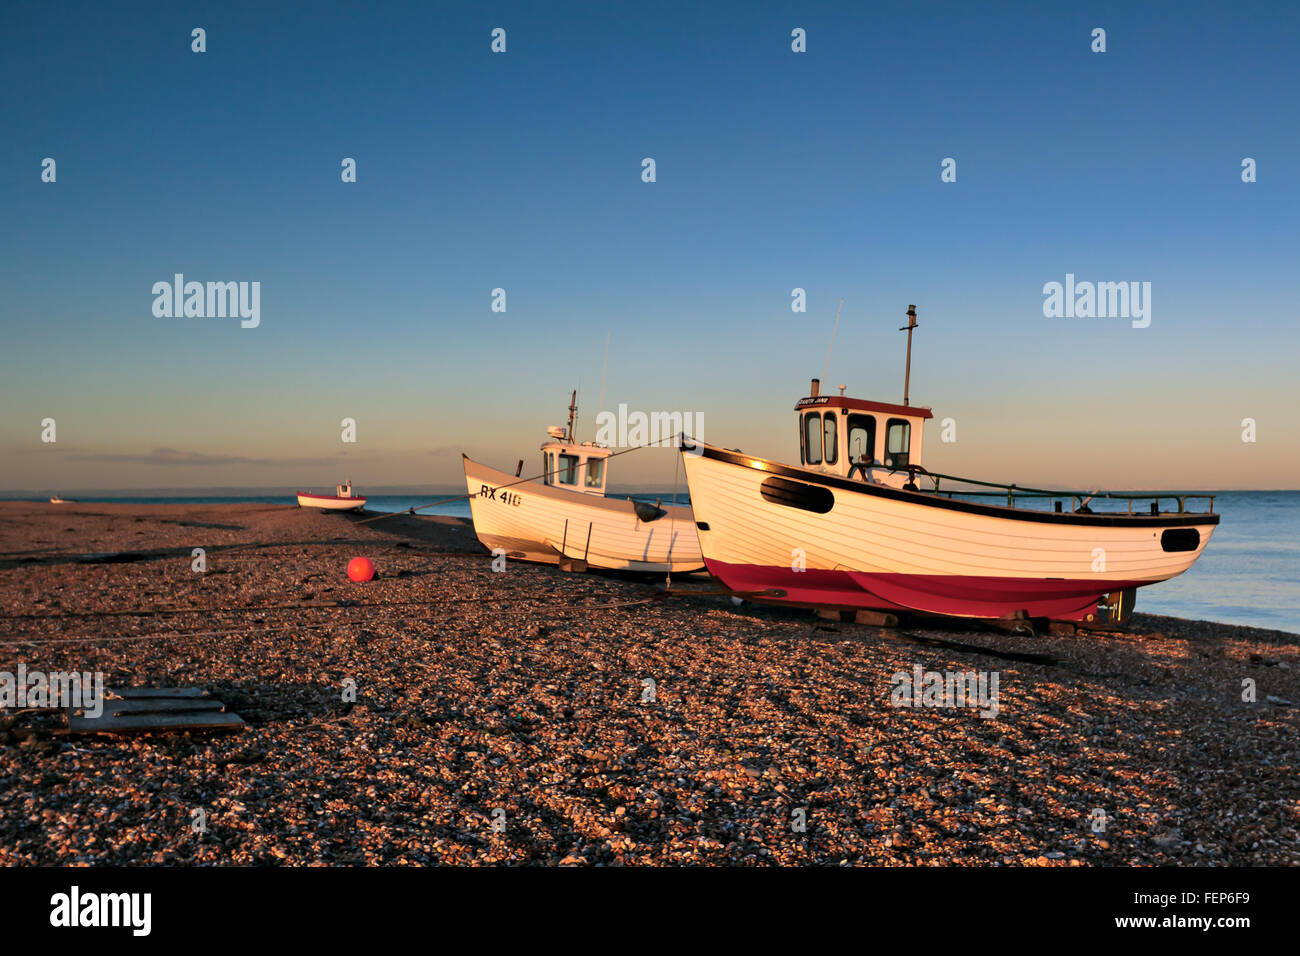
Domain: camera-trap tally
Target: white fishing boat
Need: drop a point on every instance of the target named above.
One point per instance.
(564, 516)
(859, 523)
(342, 500)
(56, 500)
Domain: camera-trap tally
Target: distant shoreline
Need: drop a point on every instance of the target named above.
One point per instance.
(279, 491)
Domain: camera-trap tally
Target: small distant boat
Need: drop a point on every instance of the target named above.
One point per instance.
(564, 517)
(342, 500)
(56, 500)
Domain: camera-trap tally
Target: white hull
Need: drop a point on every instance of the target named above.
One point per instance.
(532, 521)
(330, 502)
(886, 548)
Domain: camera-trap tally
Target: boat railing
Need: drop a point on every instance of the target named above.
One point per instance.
(1078, 499)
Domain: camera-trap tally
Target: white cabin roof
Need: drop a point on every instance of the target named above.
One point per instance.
(587, 449)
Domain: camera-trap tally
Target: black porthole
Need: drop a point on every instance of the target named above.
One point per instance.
(702, 525)
(798, 494)
(1180, 539)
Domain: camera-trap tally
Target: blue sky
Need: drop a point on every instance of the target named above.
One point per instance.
(522, 171)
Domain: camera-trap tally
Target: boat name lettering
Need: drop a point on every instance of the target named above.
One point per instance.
(507, 497)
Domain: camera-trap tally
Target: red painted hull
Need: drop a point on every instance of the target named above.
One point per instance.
(952, 595)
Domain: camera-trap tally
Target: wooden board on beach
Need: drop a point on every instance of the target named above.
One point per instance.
(133, 693)
(148, 709)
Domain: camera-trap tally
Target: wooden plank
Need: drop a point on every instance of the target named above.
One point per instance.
(135, 692)
(183, 705)
(876, 618)
(146, 709)
(147, 723)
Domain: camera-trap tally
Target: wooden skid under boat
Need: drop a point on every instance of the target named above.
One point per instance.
(823, 539)
(533, 521)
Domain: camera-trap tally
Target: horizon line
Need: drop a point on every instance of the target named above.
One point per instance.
(239, 491)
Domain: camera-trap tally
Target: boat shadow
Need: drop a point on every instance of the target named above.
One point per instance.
(440, 533)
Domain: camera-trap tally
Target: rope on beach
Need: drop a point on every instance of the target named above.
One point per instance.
(345, 604)
(520, 481)
(694, 592)
(159, 611)
(164, 635)
(134, 556)
(156, 635)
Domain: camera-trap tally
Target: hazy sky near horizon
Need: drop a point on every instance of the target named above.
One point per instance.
(522, 170)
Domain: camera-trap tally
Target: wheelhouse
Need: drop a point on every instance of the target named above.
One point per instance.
(852, 437)
(575, 467)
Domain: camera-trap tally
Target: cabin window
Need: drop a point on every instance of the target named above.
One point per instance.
(568, 473)
(595, 472)
(898, 441)
(803, 458)
(548, 467)
(862, 439)
(813, 439)
(830, 432)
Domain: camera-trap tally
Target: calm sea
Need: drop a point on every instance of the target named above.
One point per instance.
(1249, 573)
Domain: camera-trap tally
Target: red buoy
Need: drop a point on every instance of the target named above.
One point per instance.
(361, 569)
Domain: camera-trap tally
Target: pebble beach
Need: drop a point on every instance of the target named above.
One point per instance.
(536, 717)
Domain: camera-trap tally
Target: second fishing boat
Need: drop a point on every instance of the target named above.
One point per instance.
(564, 517)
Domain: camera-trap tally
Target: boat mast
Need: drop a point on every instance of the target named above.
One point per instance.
(573, 412)
(834, 329)
(907, 375)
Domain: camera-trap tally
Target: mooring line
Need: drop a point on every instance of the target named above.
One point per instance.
(157, 635)
(160, 635)
(520, 481)
(342, 604)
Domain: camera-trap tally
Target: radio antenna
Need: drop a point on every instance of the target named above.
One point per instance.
(911, 325)
(832, 345)
(605, 368)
